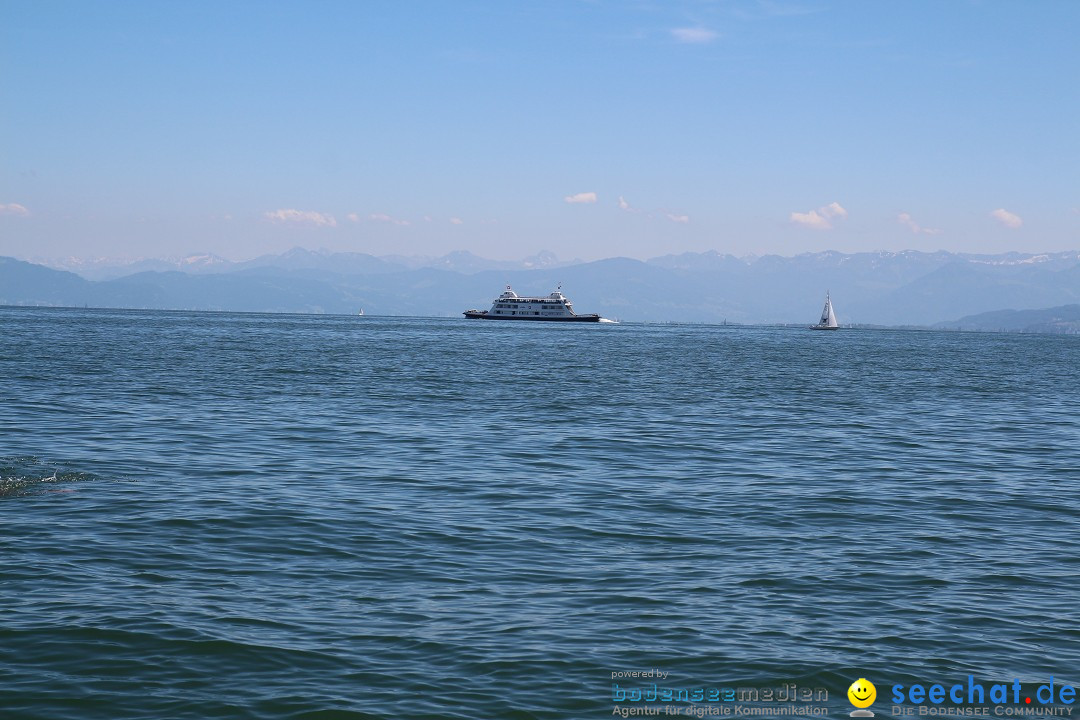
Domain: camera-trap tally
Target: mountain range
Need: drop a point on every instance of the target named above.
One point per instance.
(1064, 320)
(886, 288)
(461, 261)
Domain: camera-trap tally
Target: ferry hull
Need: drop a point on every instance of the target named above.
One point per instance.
(485, 315)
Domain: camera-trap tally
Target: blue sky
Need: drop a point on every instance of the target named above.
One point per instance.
(591, 129)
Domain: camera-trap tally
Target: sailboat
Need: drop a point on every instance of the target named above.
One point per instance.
(828, 317)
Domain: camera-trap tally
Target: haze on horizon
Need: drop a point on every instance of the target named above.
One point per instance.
(591, 129)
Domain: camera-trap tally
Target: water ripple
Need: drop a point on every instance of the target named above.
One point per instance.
(333, 518)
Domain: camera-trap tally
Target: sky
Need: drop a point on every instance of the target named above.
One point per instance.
(588, 128)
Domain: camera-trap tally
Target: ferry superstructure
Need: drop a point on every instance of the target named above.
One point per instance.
(555, 307)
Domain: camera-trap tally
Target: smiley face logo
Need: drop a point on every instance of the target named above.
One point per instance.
(862, 693)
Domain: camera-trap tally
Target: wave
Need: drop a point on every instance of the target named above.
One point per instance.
(32, 476)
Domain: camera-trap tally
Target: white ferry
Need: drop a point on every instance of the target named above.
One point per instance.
(510, 306)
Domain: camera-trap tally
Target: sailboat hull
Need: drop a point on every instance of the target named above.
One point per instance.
(823, 327)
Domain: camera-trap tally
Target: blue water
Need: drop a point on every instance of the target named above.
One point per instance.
(273, 516)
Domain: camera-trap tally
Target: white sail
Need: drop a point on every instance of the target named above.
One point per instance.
(828, 317)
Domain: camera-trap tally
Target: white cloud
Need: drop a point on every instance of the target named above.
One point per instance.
(623, 205)
(820, 219)
(659, 212)
(584, 197)
(376, 217)
(1006, 218)
(833, 209)
(384, 218)
(695, 35)
(301, 216)
(811, 219)
(14, 209)
(456, 221)
(906, 220)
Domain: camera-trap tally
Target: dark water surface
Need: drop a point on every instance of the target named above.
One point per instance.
(268, 516)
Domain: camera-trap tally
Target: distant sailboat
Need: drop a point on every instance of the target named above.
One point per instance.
(828, 317)
(361, 311)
